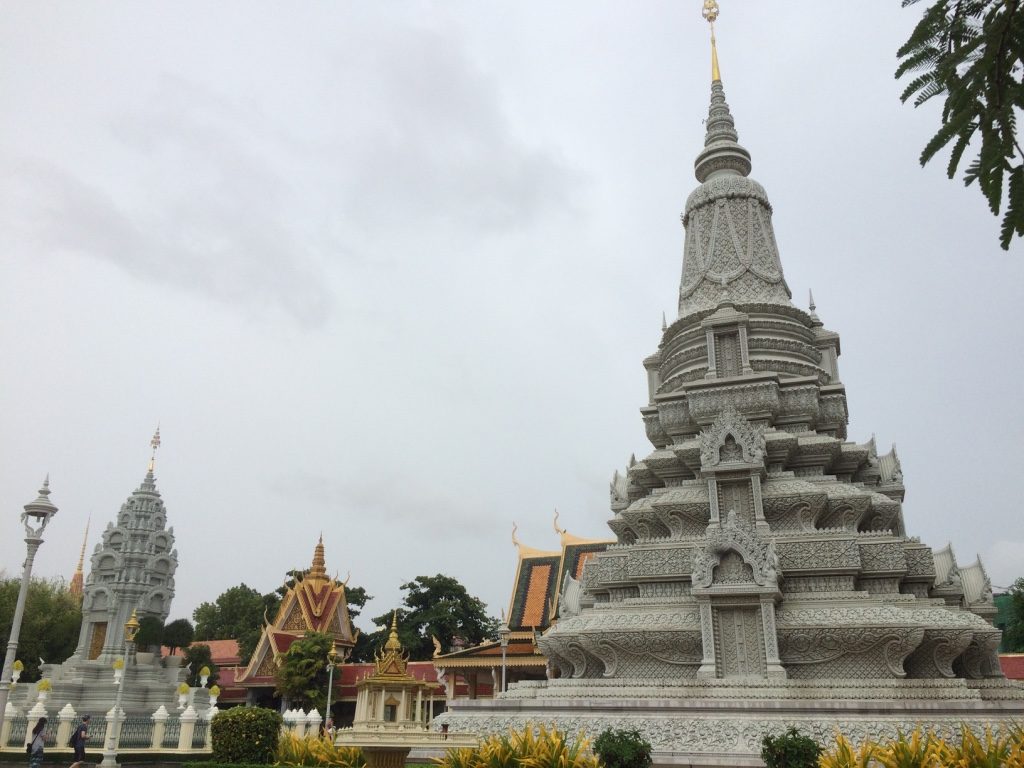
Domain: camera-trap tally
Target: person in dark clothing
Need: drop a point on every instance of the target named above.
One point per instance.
(78, 739)
(35, 746)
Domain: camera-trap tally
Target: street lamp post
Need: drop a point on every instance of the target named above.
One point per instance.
(503, 635)
(131, 628)
(35, 518)
(332, 660)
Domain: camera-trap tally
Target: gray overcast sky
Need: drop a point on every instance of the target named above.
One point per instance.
(389, 270)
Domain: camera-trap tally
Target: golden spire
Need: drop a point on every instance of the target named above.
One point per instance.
(393, 643)
(78, 581)
(710, 13)
(154, 444)
(319, 569)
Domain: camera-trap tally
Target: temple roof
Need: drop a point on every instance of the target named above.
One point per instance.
(314, 603)
(534, 602)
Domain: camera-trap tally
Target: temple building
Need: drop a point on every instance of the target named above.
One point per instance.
(763, 576)
(536, 590)
(132, 570)
(313, 603)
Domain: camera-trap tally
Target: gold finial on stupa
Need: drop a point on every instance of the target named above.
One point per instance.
(319, 569)
(154, 444)
(710, 13)
(393, 643)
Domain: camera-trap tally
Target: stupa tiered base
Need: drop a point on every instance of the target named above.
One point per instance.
(722, 722)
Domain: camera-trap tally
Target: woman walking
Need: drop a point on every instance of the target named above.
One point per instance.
(35, 747)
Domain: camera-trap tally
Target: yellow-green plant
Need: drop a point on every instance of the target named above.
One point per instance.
(917, 751)
(317, 751)
(972, 752)
(1003, 748)
(532, 747)
(845, 756)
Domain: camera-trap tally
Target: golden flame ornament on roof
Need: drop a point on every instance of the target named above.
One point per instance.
(710, 14)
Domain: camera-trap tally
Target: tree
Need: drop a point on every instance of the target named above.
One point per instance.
(436, 606)
(1013, 635)
(197, 656)
(178, 634)
(302, 676)
(150, 634)
(236, 615)
(971, 51)
(49, 628)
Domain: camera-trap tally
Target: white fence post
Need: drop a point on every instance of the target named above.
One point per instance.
(188, 728)
(159, 727)
(9, 714)
(65, 723)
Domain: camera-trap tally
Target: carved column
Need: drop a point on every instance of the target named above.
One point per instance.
(773, 665)
(755, 488)
(713, 498)
(707, 636)
(744, 350)
(712, 370)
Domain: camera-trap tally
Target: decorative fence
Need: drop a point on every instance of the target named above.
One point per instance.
(187, 733)
(160, 732)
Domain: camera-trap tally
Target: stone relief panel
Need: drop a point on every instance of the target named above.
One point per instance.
(739, 643)
(935, 656)
(847, 651)
(718, 734)
(920, 562)
(648, 654)
(660, 561)
(708, 404)
(736, 497)
(759, 554)
(805, 584)
(883, 557)
(824, 554)
(747, 438)
(732, 570)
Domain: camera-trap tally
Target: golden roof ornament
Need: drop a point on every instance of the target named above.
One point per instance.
(393, 643)
(319, 569)
(154, 444)
(710, 14)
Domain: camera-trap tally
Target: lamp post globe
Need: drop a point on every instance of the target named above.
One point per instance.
(35, 518)
(503, 637)
(332, 660)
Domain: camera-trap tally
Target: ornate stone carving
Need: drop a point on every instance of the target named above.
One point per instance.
(708, 403)
(886, 556)
(748, 440)
(820, 554)
(756, 553)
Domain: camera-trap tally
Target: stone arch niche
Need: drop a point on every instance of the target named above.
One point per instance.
(736, 584)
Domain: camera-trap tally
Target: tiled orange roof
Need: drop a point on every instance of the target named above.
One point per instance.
(223, 652)
(1013, 665)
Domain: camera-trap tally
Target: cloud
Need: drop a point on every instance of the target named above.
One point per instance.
(437, 145)
(401, 506)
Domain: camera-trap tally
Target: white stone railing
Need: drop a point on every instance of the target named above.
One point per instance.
(186, 733)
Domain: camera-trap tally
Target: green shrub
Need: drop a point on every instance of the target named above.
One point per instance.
(245, 735)
(622, 749)
(790, 750)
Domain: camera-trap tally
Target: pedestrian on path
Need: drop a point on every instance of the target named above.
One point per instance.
(78, 739)
(35, 747)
